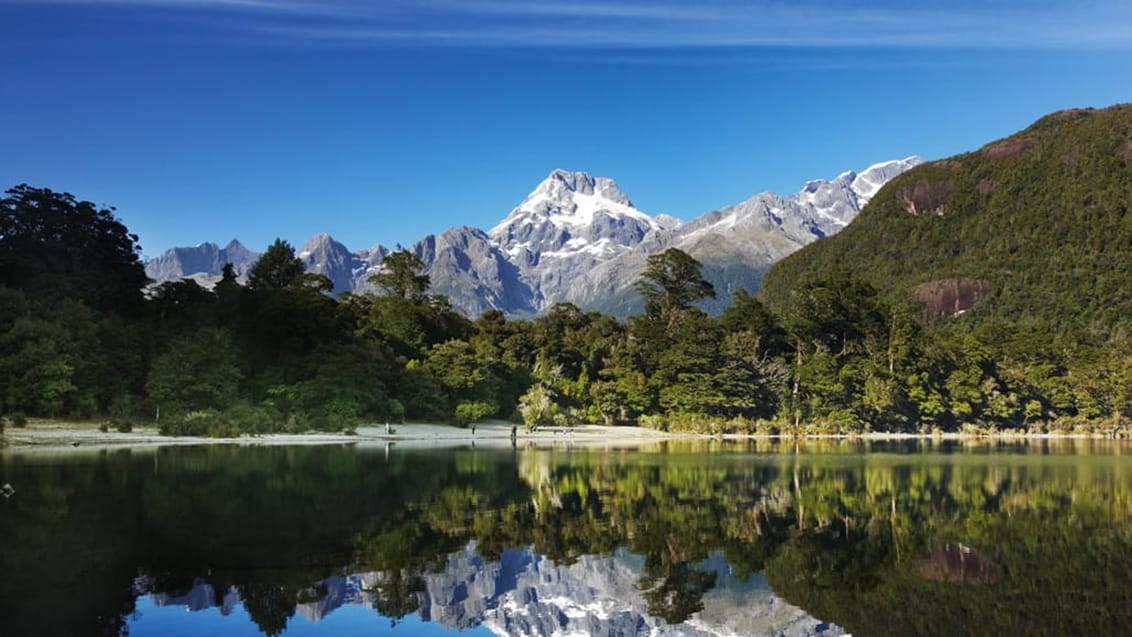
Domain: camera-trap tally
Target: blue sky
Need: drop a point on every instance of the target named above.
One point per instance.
(382, 121)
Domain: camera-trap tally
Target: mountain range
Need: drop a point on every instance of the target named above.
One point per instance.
(578, 238)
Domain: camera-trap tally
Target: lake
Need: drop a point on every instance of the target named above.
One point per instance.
(677, 538)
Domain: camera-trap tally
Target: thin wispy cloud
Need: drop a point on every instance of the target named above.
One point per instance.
(629, 24)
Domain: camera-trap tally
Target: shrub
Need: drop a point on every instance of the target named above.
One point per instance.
(337, 414)
(84, 408)
(396, 410)
(193, 423)
(538, 407)
(254, 420)
(104, 427)
(19, 420)
(124, 411)
(297, 423)
(469, 412)
(223, 429)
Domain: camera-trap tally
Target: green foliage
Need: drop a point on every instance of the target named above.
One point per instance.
(470, 412)
(276, 269)
(1041, 216)
(538, 407)
(193, 423)
(396, 410)
(400, 276)
(54, 247)
(338, 414)
(672, 281)
(198, 371)
(254, 420)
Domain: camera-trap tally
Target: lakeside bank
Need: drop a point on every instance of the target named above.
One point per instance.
(64, 436)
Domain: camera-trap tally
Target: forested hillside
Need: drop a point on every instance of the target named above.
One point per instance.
(1018, 255)
(1033, 231)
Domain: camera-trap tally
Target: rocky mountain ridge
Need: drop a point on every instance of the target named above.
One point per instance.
(579, 238)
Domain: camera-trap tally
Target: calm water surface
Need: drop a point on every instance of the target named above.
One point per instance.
(703, 538)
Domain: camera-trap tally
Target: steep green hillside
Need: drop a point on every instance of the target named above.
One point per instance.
(1032, 231)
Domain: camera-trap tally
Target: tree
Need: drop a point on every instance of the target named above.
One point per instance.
(278, 268)
(198, 371)
(747, 315)
(400, 276)
(538, 407)
(672, 281)
(465, 377)
(270, 606)
(53, 246)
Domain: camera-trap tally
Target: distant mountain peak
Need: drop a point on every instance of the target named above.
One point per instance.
(582, 183)
(570, 201)
(317, 242)
(866, 183)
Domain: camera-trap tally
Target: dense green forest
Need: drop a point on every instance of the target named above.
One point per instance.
(1014, 260)
(986, 292)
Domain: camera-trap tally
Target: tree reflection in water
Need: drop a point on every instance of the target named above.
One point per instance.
(910, 538)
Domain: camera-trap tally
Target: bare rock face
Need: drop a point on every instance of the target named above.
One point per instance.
(951, 297)
(323, 255)
(206, 261)
(579, 238)
(467, 267)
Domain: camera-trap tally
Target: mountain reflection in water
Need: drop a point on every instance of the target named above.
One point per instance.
(524, 593)
(703, 538)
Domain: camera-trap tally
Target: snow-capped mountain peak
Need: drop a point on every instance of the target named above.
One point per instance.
(571, 216)
(569, 200)
(561, 184)
(868, 182)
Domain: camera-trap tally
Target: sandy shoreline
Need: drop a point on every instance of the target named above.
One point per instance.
(56, 437)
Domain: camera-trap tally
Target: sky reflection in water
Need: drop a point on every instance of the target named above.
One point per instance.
(708, 538)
